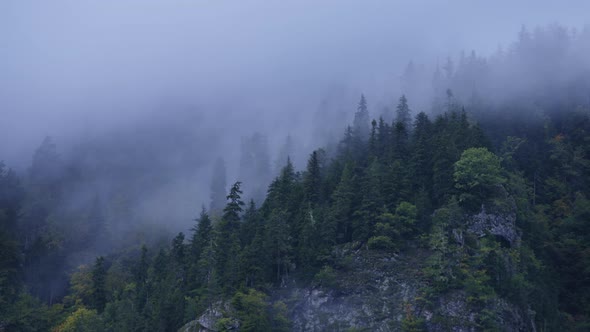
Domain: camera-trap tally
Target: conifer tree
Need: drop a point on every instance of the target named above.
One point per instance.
(201, 234)
(312, 179)
(286, 152)
(99, 292)
(278, 243)
(373, 148)
(346, 147)
(228, 240)
(342, 206)
(372, 202)
(421, 156)
(141, 277)
(383, 139)
(361, 120)
(403, 115)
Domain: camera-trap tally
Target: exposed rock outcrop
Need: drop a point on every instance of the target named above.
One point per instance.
(459, 317)
(208, 321)
(496, 217)
(375, 291)
(371, 295)
(502, 225)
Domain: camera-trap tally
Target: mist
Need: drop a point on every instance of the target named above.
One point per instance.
(142, 97)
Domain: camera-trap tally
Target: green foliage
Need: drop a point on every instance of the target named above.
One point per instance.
(361, 120)
(227, 259)
(278, 243)
(81, 287)
(476, 174)
(394, 187)
(341, 210)
(256, 314)
(411, 323)
(312, 178)
(380, 242)
(28, 313)
(326, 278)
(81, 320)
(98, 290)
(279, 317)
(9, 265)
(405, 219)
(252, 311)
(225, 324)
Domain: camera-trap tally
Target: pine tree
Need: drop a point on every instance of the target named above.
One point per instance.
(208, 274)
(99, 292)
(251, 224)
(179, 250)
(383, 139)
(11, 195)
(421, 156)
(403, 115)
(347, 146)
(282, 188)
(312, 179)
(201, 238)
(278, 243)
(373, 148)
(445, 155)
(231, 212)
(400, 148)
(286, 152)
(361, 120)
(372, 202)
(201, 235)
(342, 206)
(228, 240)
(255, 258)
(141, 278)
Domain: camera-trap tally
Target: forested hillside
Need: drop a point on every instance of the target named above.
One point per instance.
(485, 197)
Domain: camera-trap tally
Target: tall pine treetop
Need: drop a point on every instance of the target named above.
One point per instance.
(403, 113)
(361, 119)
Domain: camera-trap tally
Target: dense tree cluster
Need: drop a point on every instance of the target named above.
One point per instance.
(405, 185)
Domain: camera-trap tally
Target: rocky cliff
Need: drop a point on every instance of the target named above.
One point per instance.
(368, 290)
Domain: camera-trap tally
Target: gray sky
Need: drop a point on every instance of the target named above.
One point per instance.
(70, 68)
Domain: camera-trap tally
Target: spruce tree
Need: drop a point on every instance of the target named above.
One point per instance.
(342, 206)
(228, 241)
(403, 115)
(99, 292)
(201, 235)
(361, 120)
(312, 179)
(421, 156)
(278, 243)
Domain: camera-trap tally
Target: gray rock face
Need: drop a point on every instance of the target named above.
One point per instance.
(208, 320)
(496, 217)
(371, 296)
(459, 318)
(375, 291)
(499, 224)
(192, 326)
(378, 291)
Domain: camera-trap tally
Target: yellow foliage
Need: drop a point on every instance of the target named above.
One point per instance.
(80, 320)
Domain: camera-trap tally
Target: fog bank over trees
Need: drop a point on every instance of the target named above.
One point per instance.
(141, 99)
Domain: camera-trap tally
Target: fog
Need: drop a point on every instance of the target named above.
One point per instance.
(148, 94)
